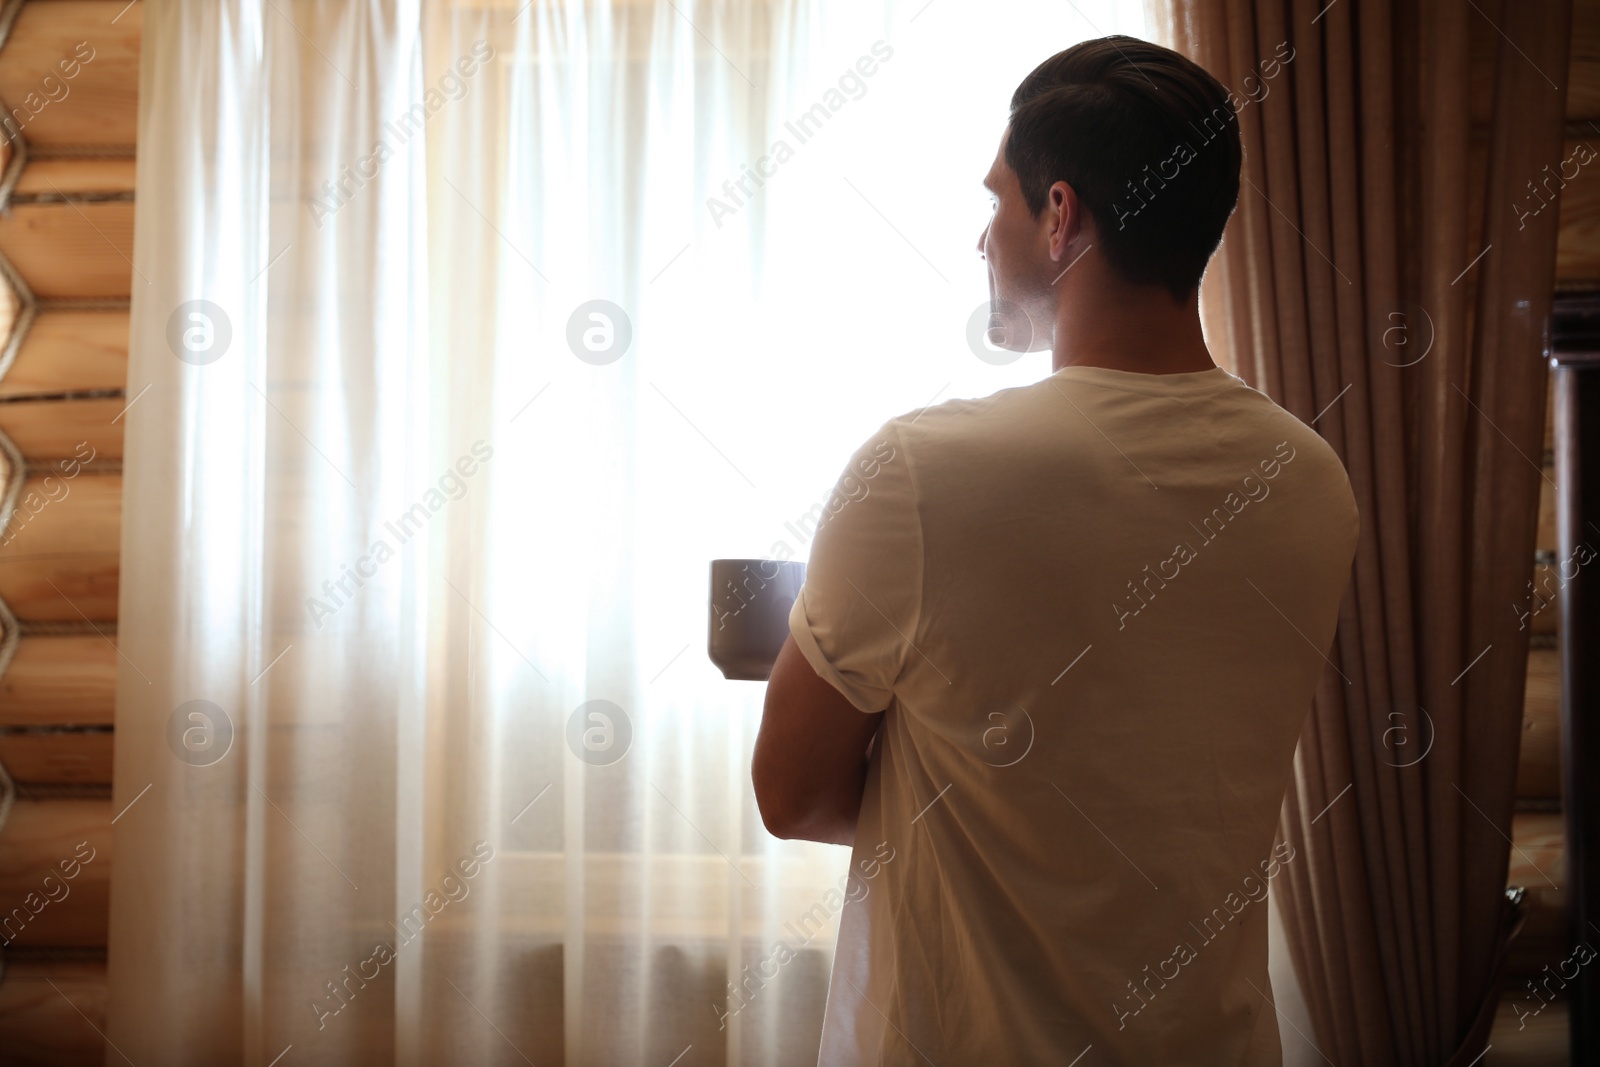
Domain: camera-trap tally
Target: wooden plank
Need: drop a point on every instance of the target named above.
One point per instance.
(62, 563)
(10, 309)
(94, 98)
(1538, 853)
(48, 431)
(75, 177)
(60, 680)
(1539, 760)
(75, 758)
(1528, 1030)
(49, 1012)
(77, 249)
(1578, 242)
(1583, 76)
(70, 351)
(42, 843)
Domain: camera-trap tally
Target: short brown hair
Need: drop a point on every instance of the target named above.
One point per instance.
(1148, 140)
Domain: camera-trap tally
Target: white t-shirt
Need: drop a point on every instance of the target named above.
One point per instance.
(1095, 609)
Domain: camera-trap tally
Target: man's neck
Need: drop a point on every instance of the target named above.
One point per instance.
(1145, 361)
(1139, 330)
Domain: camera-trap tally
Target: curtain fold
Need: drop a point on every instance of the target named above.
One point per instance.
(463, 338)
(1378, 281)
(269, 690)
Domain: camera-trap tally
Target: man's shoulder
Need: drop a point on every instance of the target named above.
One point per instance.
(1303, 439)
(961, 417)
(1053, 412)
(1318, 471)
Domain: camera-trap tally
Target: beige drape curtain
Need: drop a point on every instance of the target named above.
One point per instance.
(1378, 279)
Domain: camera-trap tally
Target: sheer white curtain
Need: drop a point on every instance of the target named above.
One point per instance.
(465, 336)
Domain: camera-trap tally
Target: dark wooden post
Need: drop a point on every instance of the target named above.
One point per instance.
(1575, 354)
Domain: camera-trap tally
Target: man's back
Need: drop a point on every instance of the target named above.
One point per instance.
(1101, 605)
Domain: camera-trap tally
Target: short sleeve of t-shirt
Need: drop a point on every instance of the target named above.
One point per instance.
(856, 614)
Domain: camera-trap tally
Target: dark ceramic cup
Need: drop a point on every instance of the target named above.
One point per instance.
(750, 602)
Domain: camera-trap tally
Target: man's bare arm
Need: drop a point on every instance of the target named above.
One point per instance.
(810, 761)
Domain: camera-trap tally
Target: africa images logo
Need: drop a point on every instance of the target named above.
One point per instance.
(1254, 488)
(804, 127)
(1141, 993)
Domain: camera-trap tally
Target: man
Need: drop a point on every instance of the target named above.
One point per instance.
(1047, 675)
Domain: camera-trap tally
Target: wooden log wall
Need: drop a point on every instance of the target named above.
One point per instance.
(69, 80)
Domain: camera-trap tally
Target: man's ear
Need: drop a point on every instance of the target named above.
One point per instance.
(1065, 211)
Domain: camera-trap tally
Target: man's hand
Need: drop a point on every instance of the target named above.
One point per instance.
(810, 761)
